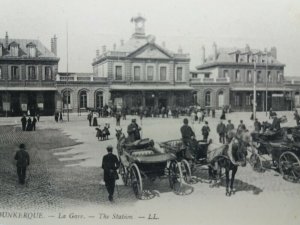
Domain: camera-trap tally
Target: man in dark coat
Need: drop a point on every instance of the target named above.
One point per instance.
(24, 121)
(34, 120)
(205, 131)
(133, 131)
(186, 132)
(229, 128)
(118, 118)
(241, 127)
(22, 158)
(221, 130)
(29, 125)
(276, 123)
(297, 117)
(89, 117)
(257, 125)
(110, 164)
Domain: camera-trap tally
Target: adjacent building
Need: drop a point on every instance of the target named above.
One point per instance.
(27, 76)
(234, 71)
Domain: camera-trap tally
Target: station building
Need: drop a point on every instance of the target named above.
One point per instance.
(27, 76)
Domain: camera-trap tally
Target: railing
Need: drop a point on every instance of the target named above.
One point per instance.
(210, 80)
(76, 78)
(27, 83)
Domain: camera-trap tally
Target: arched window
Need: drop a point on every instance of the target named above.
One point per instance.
(48, 73)
(83, 99)
(99, 99)
(207, 98)
(67, 99)
(221, 99)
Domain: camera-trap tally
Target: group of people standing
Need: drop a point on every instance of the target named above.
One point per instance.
(28, 124)
(58, 116)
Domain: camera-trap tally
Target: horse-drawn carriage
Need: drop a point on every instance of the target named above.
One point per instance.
(282, 148)
(212, 156)
(141, 161)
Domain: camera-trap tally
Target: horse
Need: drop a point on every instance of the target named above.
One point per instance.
(229, 157)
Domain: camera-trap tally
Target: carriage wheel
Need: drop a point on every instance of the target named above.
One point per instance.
(123, 173)
(186, 171)
(256, 163)
(289, 166)
(136, 181)
(174, 174)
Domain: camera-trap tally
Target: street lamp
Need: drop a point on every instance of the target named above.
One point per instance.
(267, 80)
(254, 88)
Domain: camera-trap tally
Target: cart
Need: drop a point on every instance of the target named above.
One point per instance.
(141, 161)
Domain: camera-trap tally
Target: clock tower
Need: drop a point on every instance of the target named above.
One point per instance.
(139, 22)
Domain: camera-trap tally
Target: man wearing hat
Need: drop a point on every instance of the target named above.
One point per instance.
(205, 131)
(110, 164)
(186, 132)
(229, 129)
(22, 158)
(221, 130)
(133, 131)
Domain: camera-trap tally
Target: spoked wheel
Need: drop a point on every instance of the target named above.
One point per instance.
(289, 166)
(176, 178)
(136, 181)
(186, 172)
(256, 163)
(123, 173)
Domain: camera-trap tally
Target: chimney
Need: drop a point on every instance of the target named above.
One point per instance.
(6, 39)
(180, 50)
(274, 52)
(203, 54)
(97, 53)
(215, 50)
(122, 42)
(103, 48)
(163, 44)
(115, 47)
(247, 48)
(54, 45)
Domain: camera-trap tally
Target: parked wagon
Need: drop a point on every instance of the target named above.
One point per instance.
(141, 161)
(281, 148)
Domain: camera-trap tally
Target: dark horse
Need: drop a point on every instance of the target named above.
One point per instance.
(229, 157)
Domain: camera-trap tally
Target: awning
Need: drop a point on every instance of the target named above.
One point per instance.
(151, 88)
(260, 89)
(28, 88)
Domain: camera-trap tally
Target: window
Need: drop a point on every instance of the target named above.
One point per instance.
(237, 75)
(99, 100)
(237, 100)
(66, 99)
(14, 50)
(163, 73)
(237, 58)
(207, 98)
(248, 58)
(206, 75)
(15, 73)
(118, 73)
(1, 76)
(179, 74)
(248, 99)
(48, 73)
(150, 73)
(269, 77)
(279, 76)
(31, 73)
(83, 99)
(259, 77)
(225, 73)
(32, 51)
(249, 76)
(137, 73)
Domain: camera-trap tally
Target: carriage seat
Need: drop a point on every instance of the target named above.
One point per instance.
(142, 153)
(138, 144)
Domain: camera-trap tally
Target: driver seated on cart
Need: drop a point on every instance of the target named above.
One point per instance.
(188, 139)
(133, 131)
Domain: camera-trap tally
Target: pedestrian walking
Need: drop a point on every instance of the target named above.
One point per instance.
(89, 117)
(223, 115)
(205, 131)
(297, 117)
(23, 159)
(95, 122)
(257, 125)
(56, 117)
(199, 116)
(23, 121)
(118, 118)
(110, 164)
(34, 120)
(221, 129)
(213, 113)
(29, 125)
(38, 117)
(60, 117)
(229, 128)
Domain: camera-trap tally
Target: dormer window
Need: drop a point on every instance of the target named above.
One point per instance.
(14, 49)
(31, 49)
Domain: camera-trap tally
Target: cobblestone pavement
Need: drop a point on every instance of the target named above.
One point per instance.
(65, 173)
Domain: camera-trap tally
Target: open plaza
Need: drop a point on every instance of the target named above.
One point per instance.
(66, 174)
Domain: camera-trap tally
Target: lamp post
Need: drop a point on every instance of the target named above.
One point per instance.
(254, 88)
(267, 80)
(68, 91)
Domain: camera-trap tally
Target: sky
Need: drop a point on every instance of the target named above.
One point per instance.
(189, 24)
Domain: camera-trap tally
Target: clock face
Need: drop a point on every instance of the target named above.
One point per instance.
(140, 24)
